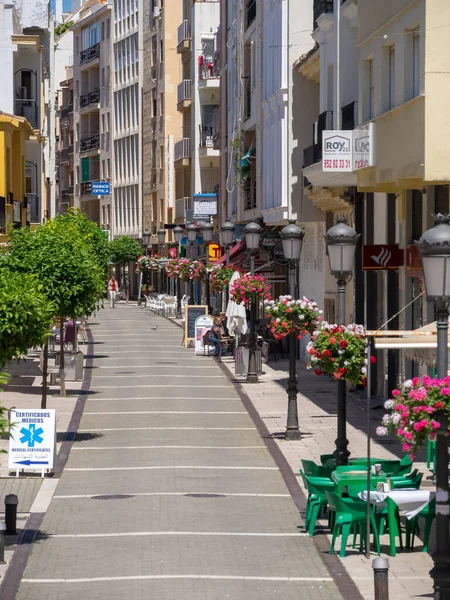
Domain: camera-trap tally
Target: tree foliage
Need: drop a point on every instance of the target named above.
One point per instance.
(124, 249)
(25, 315)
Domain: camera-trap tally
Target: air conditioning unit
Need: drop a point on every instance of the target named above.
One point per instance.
(156, 12)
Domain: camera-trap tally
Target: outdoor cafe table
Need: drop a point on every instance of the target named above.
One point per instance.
(409, 502)
(343, 479)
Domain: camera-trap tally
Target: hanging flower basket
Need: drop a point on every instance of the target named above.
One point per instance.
(220, 277)
(287, 315)
(340, 351)
(415, 410)
(173, 268)
(249, 288)
(147, 263)
(197, 270)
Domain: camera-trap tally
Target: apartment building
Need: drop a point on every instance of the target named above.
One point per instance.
(161, 120)
(92, 114)
(127, 78)
(65, 144)
(196, 149)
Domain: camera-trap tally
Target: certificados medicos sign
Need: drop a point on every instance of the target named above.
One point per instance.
(32, 439)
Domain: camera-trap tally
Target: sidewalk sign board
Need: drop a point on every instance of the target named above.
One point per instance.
(191, 315)
(32, 439)
(202, 325)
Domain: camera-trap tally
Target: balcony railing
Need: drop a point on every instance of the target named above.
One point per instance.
(67, 193)
(65, 154)
(349, 115)
(184, 90)
(86, 188)
(184, 32)
(66, 111)
(89, 54)
(29, 110)
(313, 154)
(90, 98)
(33, 208)
(207, 69)
(182, 149)
(251, 12)
(321, 7)
(181, 206)
(250, 195)
(90, 142)
(209, 137)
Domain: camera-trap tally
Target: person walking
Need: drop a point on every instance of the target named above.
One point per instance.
(113, 289)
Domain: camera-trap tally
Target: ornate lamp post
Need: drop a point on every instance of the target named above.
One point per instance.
(227, 239)
(161, 233)
(192, 237)
(434, 248)
(252, 237)
(145, 241)
(207, 232)
(178, 235)
(341, 243)
(292, 238)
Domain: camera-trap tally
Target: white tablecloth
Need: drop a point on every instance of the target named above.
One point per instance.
(410, 502)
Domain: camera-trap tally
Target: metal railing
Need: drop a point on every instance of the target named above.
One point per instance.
(182, 149)
(313, 153)
(33, 208)
(89, 54)
(29, 110)
(250, 195)
(90, 98)
(86, 188)
(184, 32)
(209, 137)
(65, 153)
(184, 90)
(349, 115)
(207, 68)
(320, 7)
(66, 194)
(251, 12)
(66, 111)
(90, 142)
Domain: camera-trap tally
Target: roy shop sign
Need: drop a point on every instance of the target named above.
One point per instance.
(337, 151)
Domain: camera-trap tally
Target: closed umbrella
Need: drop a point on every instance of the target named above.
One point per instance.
(236, 314)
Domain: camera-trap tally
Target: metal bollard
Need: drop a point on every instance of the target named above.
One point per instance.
(380, 568)
(11, 502)
(2, 542)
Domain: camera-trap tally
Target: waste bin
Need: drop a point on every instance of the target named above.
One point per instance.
(241, 360)
(73, 365)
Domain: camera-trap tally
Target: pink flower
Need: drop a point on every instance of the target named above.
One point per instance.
(417, 427)
(409, 435)
(445, 391)
(400, 407)
(400, 431)
(415, 380)
(406, 447)
(396, 393)
(435, 425)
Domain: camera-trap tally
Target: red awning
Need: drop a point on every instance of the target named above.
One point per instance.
(235, 250)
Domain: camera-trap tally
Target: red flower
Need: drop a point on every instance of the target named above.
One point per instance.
(318, 372)
(373, 360)
(338, 375)
(438, 405)
(332, 340)
(343, 343)
(327, 352)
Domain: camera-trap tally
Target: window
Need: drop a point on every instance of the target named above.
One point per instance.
(391, 77)
(416, 62)
(371, 91)
(161, 104)
(161, 157)
(103, 31)
(161, 51)
(103, 76)
(108, 28)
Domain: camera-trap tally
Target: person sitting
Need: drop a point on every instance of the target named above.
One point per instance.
(223, 320)
(215, 333)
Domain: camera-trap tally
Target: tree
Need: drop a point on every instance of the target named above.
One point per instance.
(124, 250)
(65, 266)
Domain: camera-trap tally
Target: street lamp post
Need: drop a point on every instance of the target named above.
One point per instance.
(207, 232)
(178, 235)
(161, 233)
(227, 239)
(192, 237)
(434, 248)
(292, 239)
(145, 241)
(341, 243)
(252, 237)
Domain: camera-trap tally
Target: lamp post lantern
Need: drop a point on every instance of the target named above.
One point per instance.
(434, 248)
(226, 240)
(146, 240)
(341, 240)
(292, 239)
(178, 236)
(252, 236)
(192, 230)
(207, 229)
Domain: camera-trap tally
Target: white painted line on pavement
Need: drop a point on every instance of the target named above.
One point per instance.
(76, 448)
(169, 412)
(153, 366)
(197, 577)
(155, 385)
(168, 428)
(170, 375)
(122, 399)
(169, 533)
(44, 496)
(168, 467)
(237, 495)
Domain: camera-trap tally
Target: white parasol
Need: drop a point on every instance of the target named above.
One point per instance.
(236, 315)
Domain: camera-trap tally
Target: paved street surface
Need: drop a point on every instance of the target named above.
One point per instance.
(169, 491)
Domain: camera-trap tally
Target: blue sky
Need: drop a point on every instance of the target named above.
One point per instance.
(67, 4)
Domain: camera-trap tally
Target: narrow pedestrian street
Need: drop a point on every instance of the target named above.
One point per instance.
(169, 491)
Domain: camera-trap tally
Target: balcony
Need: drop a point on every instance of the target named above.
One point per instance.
(65, 111)
(349, 114)
(86, 188)
(29, 110)
(64, 156)
(90, 142)
(89, 54)
(209, 137)
(181, 206)
(90, 98)
(208, 73)
(320, 8)
(251, 12)
(311, 155)
(184, 37)
(66, 194)
(182, 152)
(184, 95)
(33, 212)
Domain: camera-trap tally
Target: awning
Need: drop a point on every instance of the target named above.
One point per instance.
(244, 159)
(233, 252)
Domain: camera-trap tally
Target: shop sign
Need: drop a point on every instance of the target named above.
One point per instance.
(337, 150)
(205, 206)
(270, 239)
(364, 146)
(32, 439)
(278, 255)
(413, 262)
(382, 257)
(101, 188)
(214, 253)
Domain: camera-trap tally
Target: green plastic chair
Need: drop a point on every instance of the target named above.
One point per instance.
(431, 453)
(412, 525)
(327, 458)
(318, 487)
(409, 476)
(351, 514)
(310, 499)
(405, 465)
(399, 484)
(310, 468)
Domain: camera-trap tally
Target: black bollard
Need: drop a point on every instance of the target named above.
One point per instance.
(11, 502)
(2, 542)
(380, 568)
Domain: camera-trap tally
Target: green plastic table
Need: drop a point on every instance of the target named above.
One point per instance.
(342, 480)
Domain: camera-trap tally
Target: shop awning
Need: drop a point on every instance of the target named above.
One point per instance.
(235, 250)
(424, 337)
(244, 159)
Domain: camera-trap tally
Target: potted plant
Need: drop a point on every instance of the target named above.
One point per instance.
(173, 268)
(249, 288)
(414, 410)
(288, 315)
(197, 270)
(220, 277)
(340, 351)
